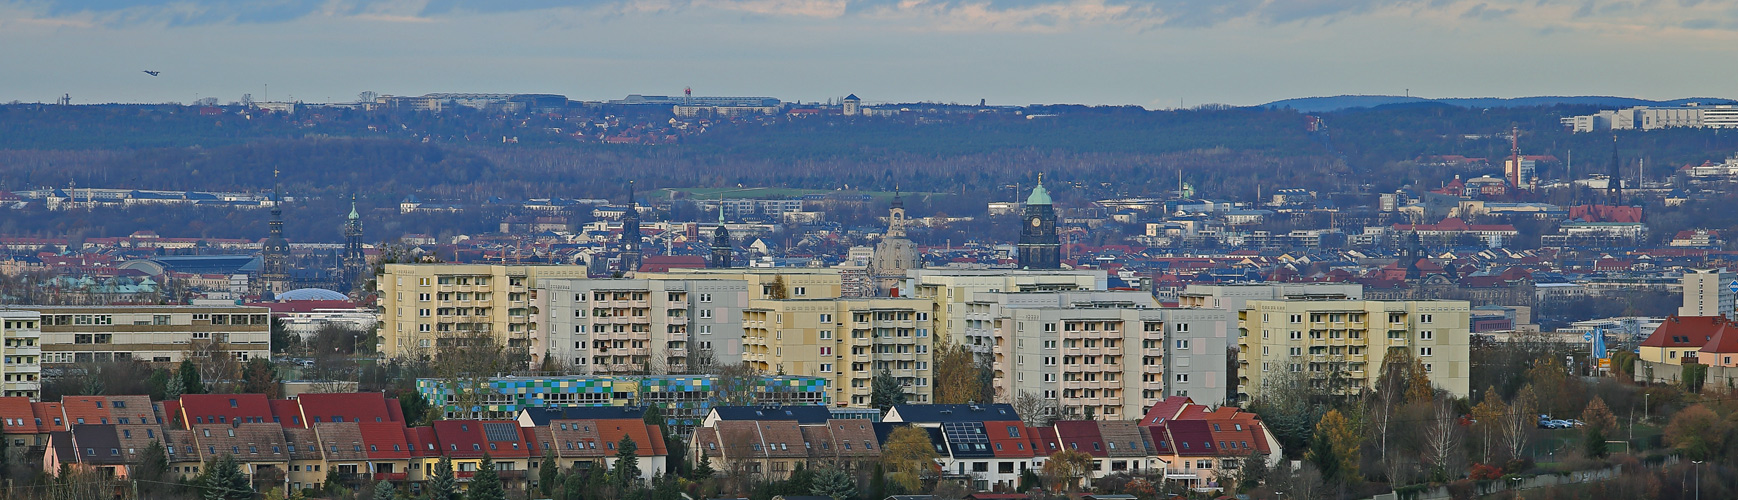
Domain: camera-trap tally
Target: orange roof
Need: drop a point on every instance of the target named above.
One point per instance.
(1725, 340)
(15, 412)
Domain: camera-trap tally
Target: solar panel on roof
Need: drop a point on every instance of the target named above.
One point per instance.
(500, 432)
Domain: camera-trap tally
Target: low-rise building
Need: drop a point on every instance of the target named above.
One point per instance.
(153, 334)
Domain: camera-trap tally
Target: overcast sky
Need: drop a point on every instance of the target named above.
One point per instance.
(1154, 53)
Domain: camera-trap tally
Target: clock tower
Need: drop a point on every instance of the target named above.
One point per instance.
(1039, 247)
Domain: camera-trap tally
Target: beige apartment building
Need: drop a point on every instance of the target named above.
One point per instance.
(1325, 338)
(156, 334)
(846, 341)
(422, 305)
(22, 333)
(947, 287)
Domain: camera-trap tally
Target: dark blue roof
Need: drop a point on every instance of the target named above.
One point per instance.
(803, 414)
(955, 413)
(542, 416)
(885, 429)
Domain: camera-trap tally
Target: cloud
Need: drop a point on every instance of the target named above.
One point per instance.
(1041, 15)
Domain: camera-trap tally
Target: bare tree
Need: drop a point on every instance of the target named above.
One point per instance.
(1442, 439)
(219, 368)
(466, 363)
(1518, 422)
(1034, 409)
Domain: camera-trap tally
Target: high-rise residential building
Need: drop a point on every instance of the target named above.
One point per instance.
(425, 306)
(1110, 354)
(1039, 246)
(151, 334)
(1340, 345)
(845, 340)
(21, 331)
(1709, 292)
(635, 326)
(947, 287)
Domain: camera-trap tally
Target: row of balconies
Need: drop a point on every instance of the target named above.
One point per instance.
(1093, 351)
(1098, 401)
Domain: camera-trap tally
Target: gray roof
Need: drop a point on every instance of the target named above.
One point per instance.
(803, 414)
(542, 416)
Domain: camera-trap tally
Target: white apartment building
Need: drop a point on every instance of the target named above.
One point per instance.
(423, 306)
(21, 330)
(1709, 292)
(946, 287)
(629, 326)
(1111, 353)
(153, 334)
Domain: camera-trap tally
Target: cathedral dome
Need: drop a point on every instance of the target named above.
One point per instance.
(311, 294)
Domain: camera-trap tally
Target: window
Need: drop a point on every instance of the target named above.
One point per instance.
(799, 291)
(1182, 377)
(826, 318)
(1182, 343)
(1426, 335)
(1296, 335)
(706, 297)
(1297, 318)
(1424, 351)
(1424, 318)
(826, 367)
(705, 314)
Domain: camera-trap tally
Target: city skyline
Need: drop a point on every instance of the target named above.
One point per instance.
(1152, 54)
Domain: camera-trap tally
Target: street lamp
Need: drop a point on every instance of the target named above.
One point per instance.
(1698, 478)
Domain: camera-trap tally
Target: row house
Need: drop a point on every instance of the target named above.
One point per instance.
(989, 446)
(296, 444)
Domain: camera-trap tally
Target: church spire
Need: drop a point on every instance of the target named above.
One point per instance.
(630, 258)
(275, 250)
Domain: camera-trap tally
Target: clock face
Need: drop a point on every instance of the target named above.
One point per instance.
(1036, 222)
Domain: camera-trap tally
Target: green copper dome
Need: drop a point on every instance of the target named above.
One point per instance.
(1039, 195)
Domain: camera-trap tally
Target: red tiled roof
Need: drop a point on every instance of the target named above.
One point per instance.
(16, 413)
(198, 409)
(345, 407)
(1165, 409)
(288, 413)
(1684, 331)
(1725, 340)
(1009, 439)
(384, 440)
(48, 417)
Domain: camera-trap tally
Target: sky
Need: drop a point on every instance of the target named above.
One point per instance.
(1153, 53)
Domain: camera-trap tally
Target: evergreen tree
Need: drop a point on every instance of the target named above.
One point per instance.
(442, 485)
(153, 466)
(702, 469)
(174, 388)
(546, 474)
(334, 481)
(383, 491)
(627, 470)
(885, 391)
(224, 480)
(574, 487)
(486, 484)
(834, 483)
(190, 381)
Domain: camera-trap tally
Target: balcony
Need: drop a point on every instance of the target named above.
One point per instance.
(391, 476)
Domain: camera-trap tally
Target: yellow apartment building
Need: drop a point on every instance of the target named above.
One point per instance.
(1324, 338)
(424, 304)
(846, 341)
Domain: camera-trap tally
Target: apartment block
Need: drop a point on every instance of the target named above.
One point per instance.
(21, 332)
(845, 341)
(1111, 354)
(946, 287)
(1708, 292)
(424, 306)
(634, 326)
(1323, 339)
(156, 334)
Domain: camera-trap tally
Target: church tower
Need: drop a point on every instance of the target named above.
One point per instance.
(895, 253)
(721, 249)
(274, 272)
(355, 262)
(631, 234)
(1039, 246)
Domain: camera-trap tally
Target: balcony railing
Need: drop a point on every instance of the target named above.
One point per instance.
(390, 476)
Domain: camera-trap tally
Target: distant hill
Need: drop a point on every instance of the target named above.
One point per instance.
(1342, 102)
